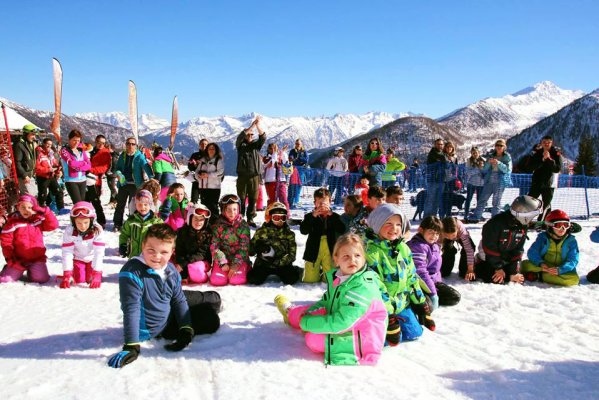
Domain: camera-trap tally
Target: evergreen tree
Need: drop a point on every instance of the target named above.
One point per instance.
(587, 156)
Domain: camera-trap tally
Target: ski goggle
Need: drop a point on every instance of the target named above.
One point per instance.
(81, 212)
(560, 225)
(278, 217)
(201, 213)
(229, 199)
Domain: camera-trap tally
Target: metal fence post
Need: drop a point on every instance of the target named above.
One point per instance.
(586, 192)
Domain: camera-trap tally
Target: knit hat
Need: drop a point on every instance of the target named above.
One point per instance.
(29, 199)
(144, 194)
(382, 213)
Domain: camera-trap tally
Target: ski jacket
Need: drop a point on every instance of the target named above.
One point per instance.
(357, 223)
(337, 166)
(377, 163)
(299, 158)
(230, 241)
(147, 301)
(503, 169)
(393, 263)
(427, 259)
(273, 170)
(356, 163)
(543, 170)
(450, 168)
(563, 254)
(502, 243)
(192, 245)
(74, 166)
(474, 173)
(173, 213)
(281, 240)
(163, 170)
(23, 239)
(248, 155)
(215, 168)
(101, 160)
(315, 227)
(24, 158)
(435, 166)
(355, 322)
(139, 165)
(88, 248)
(192, 164)
(391, 170)
(134, 230)
(46, 164)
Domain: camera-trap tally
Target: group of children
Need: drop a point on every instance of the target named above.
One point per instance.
(381, 287)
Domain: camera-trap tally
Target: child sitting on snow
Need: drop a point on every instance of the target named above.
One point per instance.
(274, 245)
(348, 324)
(22, 241)
(391, 259)
(454, 232)
(152, 186)
(230, 245)
(82, 248)
(154, 304)
(427, 259)
(553, 257)
(172, 210)
(192, 248)
(134, 229)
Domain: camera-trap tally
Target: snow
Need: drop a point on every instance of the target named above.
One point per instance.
(15, 120)
(513, 341)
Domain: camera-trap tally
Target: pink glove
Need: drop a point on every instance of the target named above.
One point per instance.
(96, 281)
(66, 280)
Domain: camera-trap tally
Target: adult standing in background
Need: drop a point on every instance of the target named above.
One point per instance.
(75, 164)
(450, 178)
(434, 178)
(474, 178)
(414, 176)
(209, 175)
(274, 177)
(111, 174)
(355, 161)
(377, 162)
(192, 166)
(25, 160)
(546, 163)
(130, 168)
(100, 161)
(298, 156)
(47, 173)
(249, 168)
(337, 168)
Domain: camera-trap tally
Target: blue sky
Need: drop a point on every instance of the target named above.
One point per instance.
(280, 58)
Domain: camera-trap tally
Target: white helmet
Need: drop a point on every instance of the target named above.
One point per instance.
(526, 208)
(197, 209)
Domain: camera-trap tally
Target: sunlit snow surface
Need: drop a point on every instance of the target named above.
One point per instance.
(525, 342)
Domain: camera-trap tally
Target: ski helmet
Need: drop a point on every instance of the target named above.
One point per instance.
(274, 208)
(83, 209)
(557, 216)
(199, 210)
(526, 208)
(229, 199)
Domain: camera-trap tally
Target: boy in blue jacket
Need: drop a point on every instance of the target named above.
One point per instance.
(553, 257)
(154, 304)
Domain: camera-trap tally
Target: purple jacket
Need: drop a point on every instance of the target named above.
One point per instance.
(427, 258)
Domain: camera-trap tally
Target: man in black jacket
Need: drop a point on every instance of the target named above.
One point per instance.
(434, 178)
(25, 161)
(192, 165)
(546, 161)
(249, 168)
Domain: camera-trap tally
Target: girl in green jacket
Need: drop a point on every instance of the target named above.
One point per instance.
(348, 324)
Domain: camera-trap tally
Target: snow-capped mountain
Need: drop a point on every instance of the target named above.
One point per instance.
(486, 120)
(566, 126)
(147, 122)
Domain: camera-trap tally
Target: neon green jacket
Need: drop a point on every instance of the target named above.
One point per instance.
(134, 230)
(393, 166)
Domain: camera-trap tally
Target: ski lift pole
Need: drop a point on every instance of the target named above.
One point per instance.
(13, 167)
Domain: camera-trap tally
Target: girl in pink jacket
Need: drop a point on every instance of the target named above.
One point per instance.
(23, 241)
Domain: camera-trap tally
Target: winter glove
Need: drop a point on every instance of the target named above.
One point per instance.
(423, 313)
(435, 300)
(122, 358)
(183, 339)
(262, 246)
(269, 253)
(96, 281)
(123, 250)
(393, 331)
(66, 280)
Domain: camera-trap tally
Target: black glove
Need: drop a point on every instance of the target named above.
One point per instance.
(423, 313)
(393, 331)
(123, 250)
(262, 246)
(183, 339)
(122, 358)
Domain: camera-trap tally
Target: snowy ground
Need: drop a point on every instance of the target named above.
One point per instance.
(530, 341)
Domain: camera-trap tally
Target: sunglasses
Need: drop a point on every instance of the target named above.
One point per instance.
(230, 199)
(81, 212)
(201, 213)
(560, 225)
(131, 144)
(279, 217)
(499, 145)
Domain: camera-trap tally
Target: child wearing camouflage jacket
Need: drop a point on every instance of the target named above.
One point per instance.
(275, 247)
(391, 259)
